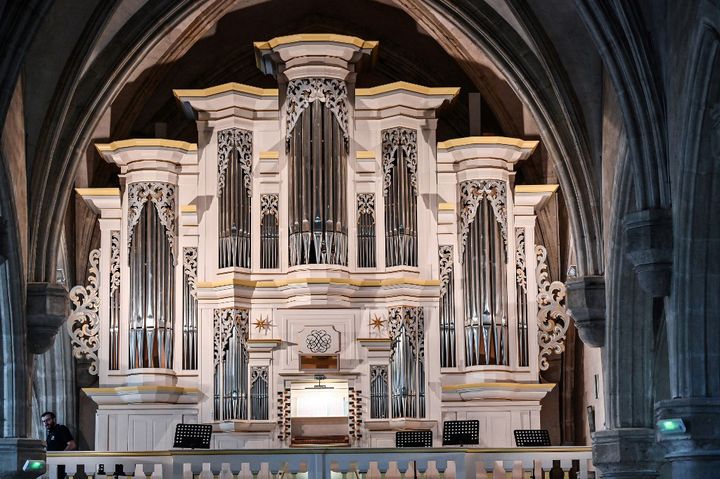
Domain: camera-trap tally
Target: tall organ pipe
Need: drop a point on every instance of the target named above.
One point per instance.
(318, 180)
(234, 180)
(484, 281)
(152, 289)
(400, 190)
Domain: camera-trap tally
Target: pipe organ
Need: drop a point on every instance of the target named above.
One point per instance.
(316, 228)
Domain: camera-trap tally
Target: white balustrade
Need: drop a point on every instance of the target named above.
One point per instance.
(326, 463)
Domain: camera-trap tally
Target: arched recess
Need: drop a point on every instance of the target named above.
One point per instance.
(695, 302)
(475, 24)
(618, 31)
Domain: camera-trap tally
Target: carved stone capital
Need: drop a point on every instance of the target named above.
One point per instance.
(15, 451)
(626, 453)
(648, 235)
(696, 451)
(47, 310)
(586, 301)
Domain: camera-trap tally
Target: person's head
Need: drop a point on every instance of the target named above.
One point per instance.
(48, 419)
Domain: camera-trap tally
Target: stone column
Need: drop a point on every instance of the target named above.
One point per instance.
(627, 448)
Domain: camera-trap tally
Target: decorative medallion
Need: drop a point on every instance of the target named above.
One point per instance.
(318, 341)
(377, 322)
(263, 324)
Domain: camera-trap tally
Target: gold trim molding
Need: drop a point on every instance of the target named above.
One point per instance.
(145, 143)
(316, 37)
(487, 140)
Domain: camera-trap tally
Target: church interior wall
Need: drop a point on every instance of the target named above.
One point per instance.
(80, 57)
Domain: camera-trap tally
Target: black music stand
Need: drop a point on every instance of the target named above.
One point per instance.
(422, 438)
(461, 433)
(193, 436)
(531, 437)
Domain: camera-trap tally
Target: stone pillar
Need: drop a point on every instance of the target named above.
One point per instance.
(650, 248)
(626, 453)
(696, 452)
(627, 449)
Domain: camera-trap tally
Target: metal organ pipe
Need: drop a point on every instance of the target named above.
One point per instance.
(400, 190)
(152, 281)
(318, 172)
(484, 273)
(234, 191)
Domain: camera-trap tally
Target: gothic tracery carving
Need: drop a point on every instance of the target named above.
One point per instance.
(520, 266)
(83, 324)
(552, 317)
(224, 321)
(114, 261)
(302, 92)
(446, 268)
(404, 139)
(269, 204)
(162, 195)
(190, 265)
(366, 204)
(409, 317)
(474, 191)
(238, 141)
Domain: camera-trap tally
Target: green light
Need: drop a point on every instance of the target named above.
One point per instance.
(671, 426)
(34, 465)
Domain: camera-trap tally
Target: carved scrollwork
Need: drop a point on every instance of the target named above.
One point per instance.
(269, 205)
(302, 92)
(552, 317)
(190, 266)
(520, 260)
(114, 261)
(394, 139)
(445, 253)
(83, 324)
(366, 204)
(238, 141)
(162, 195)
(474, 191)
(224, 322)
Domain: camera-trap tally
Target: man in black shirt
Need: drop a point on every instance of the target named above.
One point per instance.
(58, 436)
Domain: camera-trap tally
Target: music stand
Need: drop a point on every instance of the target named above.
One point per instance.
(460, 433)
(421, 438)
(531, 437)
(193, 436)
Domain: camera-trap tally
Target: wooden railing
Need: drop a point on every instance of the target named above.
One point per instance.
(330, 463)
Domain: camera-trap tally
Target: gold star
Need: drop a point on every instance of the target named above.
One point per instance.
(262, 324)
(377, 322)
